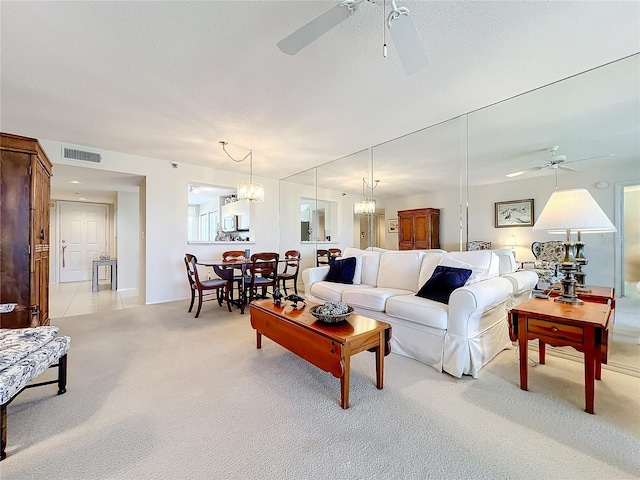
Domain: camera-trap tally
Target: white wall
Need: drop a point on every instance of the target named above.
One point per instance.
(163, 216)
(127, 231)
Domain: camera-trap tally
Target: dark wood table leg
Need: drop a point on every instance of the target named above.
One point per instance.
(380, 361)
(589, 367)
(542, 352)
(522, 342)
(344, 383)
(258, 339)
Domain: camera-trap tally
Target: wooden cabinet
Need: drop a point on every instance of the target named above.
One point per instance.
(25, 176)
(419, 229)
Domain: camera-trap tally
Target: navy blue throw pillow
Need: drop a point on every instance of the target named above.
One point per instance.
(342, 270)
(443, 282)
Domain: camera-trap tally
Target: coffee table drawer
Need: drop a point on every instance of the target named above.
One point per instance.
(544, 328)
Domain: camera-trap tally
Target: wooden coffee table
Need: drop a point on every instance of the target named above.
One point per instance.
(328, 346)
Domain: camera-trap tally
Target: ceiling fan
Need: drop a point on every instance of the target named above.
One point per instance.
(555, 162)
(400, 24)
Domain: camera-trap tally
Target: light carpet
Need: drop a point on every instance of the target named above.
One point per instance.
(155, 394)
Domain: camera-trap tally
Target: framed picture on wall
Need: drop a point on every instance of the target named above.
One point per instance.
(514, 213)
(392, 225)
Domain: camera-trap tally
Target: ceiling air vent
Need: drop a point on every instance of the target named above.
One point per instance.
(73, 154)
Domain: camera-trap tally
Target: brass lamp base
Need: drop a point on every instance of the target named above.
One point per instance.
(568, 294)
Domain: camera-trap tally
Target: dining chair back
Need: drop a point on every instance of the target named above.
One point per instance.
(290, 272)
(204, 288)
(334, 253)
(263, 272)
(322, 257)
(240, 271)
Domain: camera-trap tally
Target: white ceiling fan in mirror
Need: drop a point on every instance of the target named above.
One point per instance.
(399, 22)
(555, 162)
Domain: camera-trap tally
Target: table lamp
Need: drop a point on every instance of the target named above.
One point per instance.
(570, 211)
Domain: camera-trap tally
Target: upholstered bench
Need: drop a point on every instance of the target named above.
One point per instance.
(24, 354)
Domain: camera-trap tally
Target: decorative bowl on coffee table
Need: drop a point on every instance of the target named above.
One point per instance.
(330, 312)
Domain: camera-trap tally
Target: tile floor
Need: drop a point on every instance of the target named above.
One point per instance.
(76, 298)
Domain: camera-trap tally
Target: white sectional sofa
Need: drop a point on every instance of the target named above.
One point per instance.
(458, 338)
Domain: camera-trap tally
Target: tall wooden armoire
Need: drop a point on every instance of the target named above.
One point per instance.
(25, 178)
(419, 229)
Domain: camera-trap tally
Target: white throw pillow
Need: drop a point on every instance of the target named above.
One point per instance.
(477, 273)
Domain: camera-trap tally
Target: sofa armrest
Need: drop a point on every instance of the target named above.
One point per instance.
(313, 275)
(468, 304)
(521, 281)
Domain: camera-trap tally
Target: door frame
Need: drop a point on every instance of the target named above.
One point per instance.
(620, 235)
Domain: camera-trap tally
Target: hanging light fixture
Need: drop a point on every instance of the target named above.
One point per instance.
(366, 206)
(254, 192)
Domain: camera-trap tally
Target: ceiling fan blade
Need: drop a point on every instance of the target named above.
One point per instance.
(520, 172)
(570, 169)
(591, 158)
(313, 30)
(408, 44)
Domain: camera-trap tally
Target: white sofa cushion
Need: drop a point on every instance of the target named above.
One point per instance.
(483, 264)
(429, 264)
(367, 263)
(418, 310)
(371, 298)
(506, 260)
(330, 291)
(400, 270)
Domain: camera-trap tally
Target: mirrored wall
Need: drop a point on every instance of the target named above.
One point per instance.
(461, 167)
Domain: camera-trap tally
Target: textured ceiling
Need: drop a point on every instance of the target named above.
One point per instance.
(168, 80)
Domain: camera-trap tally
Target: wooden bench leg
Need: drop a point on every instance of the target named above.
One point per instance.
(3, 444)
(62, 374)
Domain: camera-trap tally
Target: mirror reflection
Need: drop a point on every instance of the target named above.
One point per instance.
(582, 132)
(215, 215)
(422, 170)
(318, 219)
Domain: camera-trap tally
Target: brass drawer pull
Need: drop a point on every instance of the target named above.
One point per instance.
(554, 329)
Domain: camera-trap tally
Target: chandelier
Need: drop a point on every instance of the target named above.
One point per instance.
(366, 206)
(254, 192)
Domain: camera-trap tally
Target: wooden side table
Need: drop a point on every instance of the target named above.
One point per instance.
(579, 326)
(594, 294)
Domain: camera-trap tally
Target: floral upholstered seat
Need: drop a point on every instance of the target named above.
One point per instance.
(24, 354)
(549, 256)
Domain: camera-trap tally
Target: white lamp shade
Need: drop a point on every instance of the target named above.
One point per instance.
(573, 210)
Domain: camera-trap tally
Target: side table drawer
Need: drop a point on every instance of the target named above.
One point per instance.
(570, 333)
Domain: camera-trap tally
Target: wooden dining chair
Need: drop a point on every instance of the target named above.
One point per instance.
(204, 288)
(334, 253)
(238, 280)
(290, 272)
(322, 257)
(263, 273)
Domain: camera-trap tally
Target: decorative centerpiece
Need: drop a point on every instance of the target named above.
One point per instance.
(331, 312)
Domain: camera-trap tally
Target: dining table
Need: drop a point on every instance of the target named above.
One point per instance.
(241, 264)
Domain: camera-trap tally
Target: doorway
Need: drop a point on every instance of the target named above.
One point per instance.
(83, 237)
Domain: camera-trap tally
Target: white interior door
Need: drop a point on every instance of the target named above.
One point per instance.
(83, 237)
